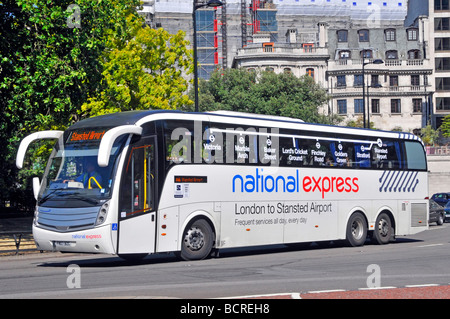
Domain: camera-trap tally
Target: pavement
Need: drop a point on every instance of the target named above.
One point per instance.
(408, 292)
(16, 236)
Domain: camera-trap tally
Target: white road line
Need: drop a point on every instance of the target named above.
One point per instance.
(424, 285)
(378, 288)
(325, 291)
(264, 295)
(432, 245)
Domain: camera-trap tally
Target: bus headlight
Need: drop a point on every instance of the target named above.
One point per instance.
(101, 217)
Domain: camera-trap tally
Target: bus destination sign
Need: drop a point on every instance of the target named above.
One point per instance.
(86, 136)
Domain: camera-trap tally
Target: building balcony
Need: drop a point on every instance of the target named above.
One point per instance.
(275, 51)
(410, 90)
(389, 64)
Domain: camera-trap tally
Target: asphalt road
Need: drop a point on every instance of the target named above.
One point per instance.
(422, 259)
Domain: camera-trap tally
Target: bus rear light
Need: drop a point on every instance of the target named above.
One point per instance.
(248, 229)
(163, 226)
(163, 234)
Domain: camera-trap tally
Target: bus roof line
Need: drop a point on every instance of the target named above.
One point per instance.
(108, 139)
(234, 117)
(31, 138)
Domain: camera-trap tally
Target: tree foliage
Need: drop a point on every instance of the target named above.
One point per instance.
(55, 55)
(430, 136)
(144, 70)
(445, 127)
(265, 93)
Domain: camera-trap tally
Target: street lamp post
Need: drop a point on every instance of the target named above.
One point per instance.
(377, 61)
(376, 86)
(212, 4)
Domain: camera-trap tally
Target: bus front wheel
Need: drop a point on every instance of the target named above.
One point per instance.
(356, 230)
(198, 240)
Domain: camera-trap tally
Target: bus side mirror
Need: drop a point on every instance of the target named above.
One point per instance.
(36, 187)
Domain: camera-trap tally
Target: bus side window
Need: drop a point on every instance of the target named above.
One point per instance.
(415, 155)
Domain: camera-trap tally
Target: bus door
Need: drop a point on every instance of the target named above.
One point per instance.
(137, 214)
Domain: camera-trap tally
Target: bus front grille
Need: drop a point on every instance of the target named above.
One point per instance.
(67, 219)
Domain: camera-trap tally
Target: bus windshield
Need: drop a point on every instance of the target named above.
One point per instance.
(72, 177)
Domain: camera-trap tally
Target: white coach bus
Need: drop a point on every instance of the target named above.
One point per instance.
(143, 182)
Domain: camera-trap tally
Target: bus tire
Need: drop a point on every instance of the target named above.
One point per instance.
(383, 229)
(197, 241)
(356, 230)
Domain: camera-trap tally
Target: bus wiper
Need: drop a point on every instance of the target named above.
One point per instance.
(49, 195)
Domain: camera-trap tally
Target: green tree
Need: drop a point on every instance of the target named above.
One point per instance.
(430, 136)
(265, 93)
(445, 127)
(359, 122)
(144, 70)
(48, 68)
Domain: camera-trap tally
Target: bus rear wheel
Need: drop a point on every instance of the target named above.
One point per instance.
(356, 230)
(198, 240)
(383, 229)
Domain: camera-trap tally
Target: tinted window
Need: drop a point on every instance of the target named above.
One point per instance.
(415, 156)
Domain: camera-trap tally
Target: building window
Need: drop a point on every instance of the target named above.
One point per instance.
(392, 55)
(415, 80)
(396, 107)
(441, 5)
(412, 34)
(441, 24)
(366, 54)
(413, 54)
(417, 105)
(310, 72)
(442, 64)
(268, 47)
(374, 80)
(363, 35)
(342, 35)
(287, 70)
(342, 106)
(443, 103)
(358, 80)
(389, 34)
(308, 47)
(341, 81)
(393, 80)
(442, 84)
(375, 106)
(442, 44)
(359, 106)
(344, 55)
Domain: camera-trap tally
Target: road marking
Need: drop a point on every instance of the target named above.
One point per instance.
(378, 288)
(293, 295)
(424, 285)
(325, 291)
(432, 245)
